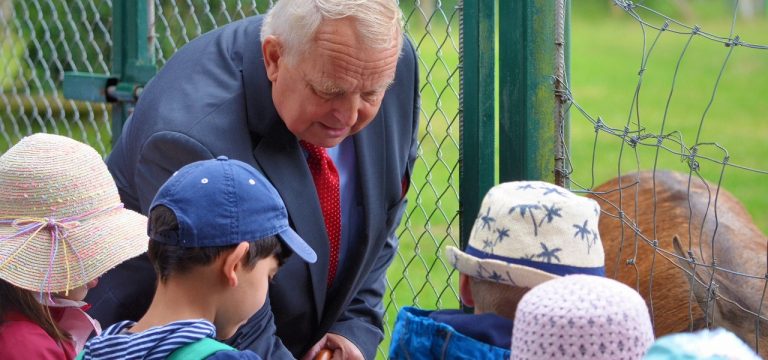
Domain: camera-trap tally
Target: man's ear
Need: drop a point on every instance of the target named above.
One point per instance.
(272, 50)
(233, 262)
(465, 290)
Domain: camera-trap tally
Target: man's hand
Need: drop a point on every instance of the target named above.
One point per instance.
(342, 348)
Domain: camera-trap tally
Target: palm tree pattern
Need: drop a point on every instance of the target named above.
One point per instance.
(487, 219)
(548, 211)
(492, 275)
(540, 214)
(529, 209)
(586, 234)
(489, 245)
(548, 255)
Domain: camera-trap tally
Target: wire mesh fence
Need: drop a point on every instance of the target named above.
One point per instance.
(41, 39)
(670, 225)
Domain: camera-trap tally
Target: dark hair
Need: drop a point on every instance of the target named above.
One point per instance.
(14, 298)
(171, 259)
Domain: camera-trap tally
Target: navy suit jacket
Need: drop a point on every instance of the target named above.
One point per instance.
(213, 98)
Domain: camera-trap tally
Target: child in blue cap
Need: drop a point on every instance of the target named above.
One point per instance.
(218, 233)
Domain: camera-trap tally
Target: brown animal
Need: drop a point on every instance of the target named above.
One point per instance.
(686, 225)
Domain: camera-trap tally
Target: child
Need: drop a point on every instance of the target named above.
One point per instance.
(717, 344)
(62, 227)
(526, 233)
(218, 231)
(581, 317)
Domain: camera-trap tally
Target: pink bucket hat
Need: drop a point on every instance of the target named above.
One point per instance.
(61, 220)
(581, 317)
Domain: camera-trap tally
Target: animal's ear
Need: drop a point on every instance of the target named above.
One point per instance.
(695, 276)
(679, 251)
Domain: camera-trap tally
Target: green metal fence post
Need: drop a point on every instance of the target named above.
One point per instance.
(133, 60)
(133, 63)
(476, 158)
(527, 131)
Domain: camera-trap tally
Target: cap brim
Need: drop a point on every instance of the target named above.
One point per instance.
(298, 245)
(496, 270)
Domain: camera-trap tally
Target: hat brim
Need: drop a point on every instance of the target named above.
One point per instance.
(298, 245)
(86, 251)
(496, 270)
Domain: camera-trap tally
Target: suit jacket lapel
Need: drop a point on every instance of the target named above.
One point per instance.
(282, 161)
(370, 146)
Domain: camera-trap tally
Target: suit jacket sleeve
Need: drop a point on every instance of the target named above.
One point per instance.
(361, 321)
(260, 337)
(160, 156)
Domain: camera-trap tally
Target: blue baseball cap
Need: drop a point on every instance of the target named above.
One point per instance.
(222, 202)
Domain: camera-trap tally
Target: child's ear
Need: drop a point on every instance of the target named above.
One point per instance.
(465, 290)
(233, 262)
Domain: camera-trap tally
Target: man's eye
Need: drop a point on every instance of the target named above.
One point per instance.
(323, 94)
(370, 97)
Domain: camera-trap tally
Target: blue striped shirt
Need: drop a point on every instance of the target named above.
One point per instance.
(116, 342)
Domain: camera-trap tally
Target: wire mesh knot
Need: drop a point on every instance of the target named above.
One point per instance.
(736, 41)
(633, 140)
(626, 5)
(599, 124)
(695, 30)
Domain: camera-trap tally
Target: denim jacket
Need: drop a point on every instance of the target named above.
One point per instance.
(449, 334)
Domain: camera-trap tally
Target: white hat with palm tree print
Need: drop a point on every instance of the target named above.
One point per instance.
(528, 232)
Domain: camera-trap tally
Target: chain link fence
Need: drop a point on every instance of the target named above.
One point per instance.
(676, 97)
(41, 39)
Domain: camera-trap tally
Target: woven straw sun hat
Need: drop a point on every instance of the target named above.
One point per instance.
(528, 232)
(61, 220)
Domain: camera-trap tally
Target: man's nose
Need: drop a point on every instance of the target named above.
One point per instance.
(346, 109)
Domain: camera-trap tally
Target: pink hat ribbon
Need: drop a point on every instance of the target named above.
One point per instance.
(57, 228)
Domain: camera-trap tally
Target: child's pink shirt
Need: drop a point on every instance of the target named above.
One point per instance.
(21, 338)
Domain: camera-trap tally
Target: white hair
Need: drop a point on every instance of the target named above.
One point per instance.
(294, 22)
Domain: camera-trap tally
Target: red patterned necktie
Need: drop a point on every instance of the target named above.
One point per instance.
(326, 180)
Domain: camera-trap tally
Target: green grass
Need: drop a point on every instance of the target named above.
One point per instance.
(606, 57)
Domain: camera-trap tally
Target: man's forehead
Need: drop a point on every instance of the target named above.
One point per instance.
(334, 63)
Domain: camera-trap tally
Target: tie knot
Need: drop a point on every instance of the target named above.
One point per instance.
(311, 148)
(314, 151)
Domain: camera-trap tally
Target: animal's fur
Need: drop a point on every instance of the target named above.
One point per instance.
(663, 280)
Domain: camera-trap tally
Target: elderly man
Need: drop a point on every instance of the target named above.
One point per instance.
(327, 109)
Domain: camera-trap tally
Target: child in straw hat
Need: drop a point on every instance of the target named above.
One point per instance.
(218, 231)
(61, 227)
(581, 317)
(526, 233)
